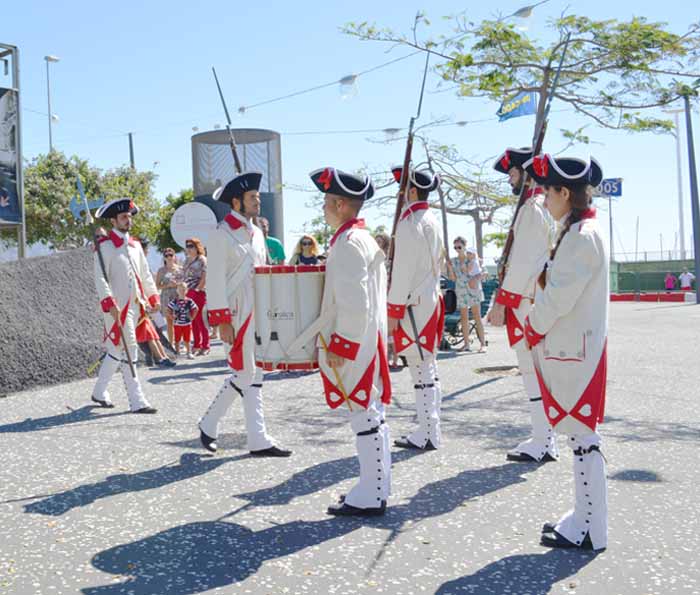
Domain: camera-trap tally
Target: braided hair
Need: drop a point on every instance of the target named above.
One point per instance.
(581, 197)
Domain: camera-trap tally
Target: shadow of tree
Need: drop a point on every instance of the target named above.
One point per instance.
(534, 574)
(636, 430)
(190, 465)
(74, 416)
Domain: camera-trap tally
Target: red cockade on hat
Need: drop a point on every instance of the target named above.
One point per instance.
(540, 165)
(397, 174)
(326, 178)
(132, 206)
(505, 161)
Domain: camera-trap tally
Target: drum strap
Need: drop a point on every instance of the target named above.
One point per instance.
(235, 279)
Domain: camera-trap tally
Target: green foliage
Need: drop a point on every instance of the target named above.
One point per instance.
(162, 237)
(498, 239)
(320, 230)
(612, 69)
(50, 184)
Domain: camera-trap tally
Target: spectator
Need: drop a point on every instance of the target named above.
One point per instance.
(195, 273)
(182, 310)
(466, 272)
(275, 249)
(686, 279)
(670, 282)
(384, 242)
(306, 251)
(167, 279)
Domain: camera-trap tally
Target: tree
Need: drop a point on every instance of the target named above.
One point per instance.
(162, 237)
(612, 71)
(50, 184)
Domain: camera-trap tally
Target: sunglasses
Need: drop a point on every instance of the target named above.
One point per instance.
(457, 247)
(307, 243)
(189, 245)
(167, 255)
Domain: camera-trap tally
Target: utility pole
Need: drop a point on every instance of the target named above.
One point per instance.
(695, 207)
(131, 150)
(679, 176)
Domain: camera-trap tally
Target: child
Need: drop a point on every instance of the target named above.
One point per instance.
(183, 310)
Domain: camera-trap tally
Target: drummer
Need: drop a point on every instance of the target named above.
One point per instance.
(234, 249)
(353, 360)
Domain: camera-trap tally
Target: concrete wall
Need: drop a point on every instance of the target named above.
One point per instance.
(50, 327)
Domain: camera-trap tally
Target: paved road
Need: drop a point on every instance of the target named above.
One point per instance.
(101, 502)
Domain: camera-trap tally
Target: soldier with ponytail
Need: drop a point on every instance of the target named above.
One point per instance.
(567, 330)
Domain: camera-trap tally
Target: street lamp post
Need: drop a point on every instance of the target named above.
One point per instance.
(695, 206)
(679, 176)
(49, 59)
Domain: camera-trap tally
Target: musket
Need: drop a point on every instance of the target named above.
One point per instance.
(231, 138)
(118, 319)
(537, 140)
(402, 198)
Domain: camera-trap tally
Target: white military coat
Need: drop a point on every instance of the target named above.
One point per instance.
(234, 249)
(354, 301)
(532, 241)
(415, 281)
(569, 326)
(131, 285)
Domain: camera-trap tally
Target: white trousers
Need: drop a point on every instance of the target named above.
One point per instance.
(372, 440)
(590, 512)
(115, 359)
(428, 396)
(543, 440)
(251, 394)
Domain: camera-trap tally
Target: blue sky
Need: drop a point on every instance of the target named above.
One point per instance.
(146, 67)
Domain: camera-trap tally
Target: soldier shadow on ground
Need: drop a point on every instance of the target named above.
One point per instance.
(534, 574)
(73, 416)
(196, 557)
(190, 465)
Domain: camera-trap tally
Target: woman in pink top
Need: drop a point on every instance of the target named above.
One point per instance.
(670, 282)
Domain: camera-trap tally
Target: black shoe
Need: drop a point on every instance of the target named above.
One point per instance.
(557, 540)
(146, 410)
(167, 363)
(207, 441)
(522, 457)
(103, 404)
(344, 509)
(273, 451)
(404, 442)
(548, 527)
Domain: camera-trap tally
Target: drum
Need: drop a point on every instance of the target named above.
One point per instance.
(287, 300)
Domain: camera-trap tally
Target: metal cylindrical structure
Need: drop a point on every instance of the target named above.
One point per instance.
(259, 150)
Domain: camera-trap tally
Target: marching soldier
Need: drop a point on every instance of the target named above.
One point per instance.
(416, 310)
(567, 329)
(234, 249)
(126, 290)
(353, 359)
(532, 239)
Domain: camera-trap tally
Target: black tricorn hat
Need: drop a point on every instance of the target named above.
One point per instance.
(115, 207)
(333, 181)
(512, 157)
(423, 180)
(564, 171)
(242, 183)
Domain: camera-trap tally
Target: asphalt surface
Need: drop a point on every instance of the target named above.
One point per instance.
(101, 502)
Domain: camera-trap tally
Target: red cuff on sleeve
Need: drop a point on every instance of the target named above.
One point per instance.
(154, 300)
(343, 347)
(531, 335)
(508, 299)
(108, 303)
(217, 317)
(395, 311)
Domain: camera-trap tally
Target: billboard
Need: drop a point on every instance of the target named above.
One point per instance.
(9, 201)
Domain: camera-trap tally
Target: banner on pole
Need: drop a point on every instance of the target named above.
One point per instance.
(522, 104)
(9, 201)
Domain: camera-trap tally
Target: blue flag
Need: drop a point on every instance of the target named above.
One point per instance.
(522, 104)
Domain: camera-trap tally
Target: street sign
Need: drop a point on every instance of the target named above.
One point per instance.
(610, 187)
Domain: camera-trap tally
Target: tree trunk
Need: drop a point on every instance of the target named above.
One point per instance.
(479, 234)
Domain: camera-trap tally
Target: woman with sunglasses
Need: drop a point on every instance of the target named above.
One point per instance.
(306, 251)
(167, 280)
(195, 272)
(466, 273)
